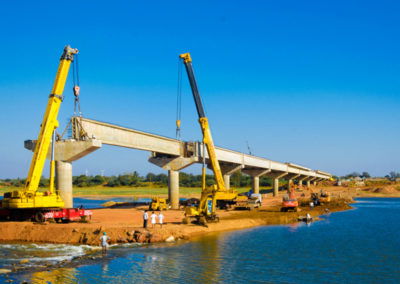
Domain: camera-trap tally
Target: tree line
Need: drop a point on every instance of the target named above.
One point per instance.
(134, 179)
(185, 180)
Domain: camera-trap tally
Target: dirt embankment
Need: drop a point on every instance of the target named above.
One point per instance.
(125, 225)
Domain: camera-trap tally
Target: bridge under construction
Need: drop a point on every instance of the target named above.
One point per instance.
(170, 154)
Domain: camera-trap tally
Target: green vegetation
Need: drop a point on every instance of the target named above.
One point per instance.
(135, 180)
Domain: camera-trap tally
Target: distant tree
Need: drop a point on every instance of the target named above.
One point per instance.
(365, 175)
(394, 175)
(353, 175)
(150, 177)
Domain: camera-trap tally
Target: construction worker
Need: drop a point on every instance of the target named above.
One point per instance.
(104, 242)
(145, 219)
(153, 219)
(160, 219)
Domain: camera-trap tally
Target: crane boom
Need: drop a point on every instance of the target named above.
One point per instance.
(205, 127)
(29, 197)
(50, 122)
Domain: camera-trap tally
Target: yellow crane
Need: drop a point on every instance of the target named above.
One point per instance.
(30, 197)
(218, 192)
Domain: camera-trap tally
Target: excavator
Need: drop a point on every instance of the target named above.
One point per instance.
(205, 211)
(30, 203)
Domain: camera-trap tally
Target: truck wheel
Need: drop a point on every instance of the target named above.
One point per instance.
(39, 217)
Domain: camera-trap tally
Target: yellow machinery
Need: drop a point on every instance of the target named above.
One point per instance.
(218, 192)
(158, 203)
(30, 197)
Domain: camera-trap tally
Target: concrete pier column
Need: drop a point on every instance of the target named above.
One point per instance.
(227, 181)
(64, 182)
(276, 186)
(300, 182)
(314, 183)
(308, 183)
(256, 184)
(289, 183)
(173, 188)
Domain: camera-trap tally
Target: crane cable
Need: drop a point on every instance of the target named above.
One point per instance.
(179, 101)
(76, 89)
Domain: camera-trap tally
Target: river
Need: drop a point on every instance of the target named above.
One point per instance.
(355, 246)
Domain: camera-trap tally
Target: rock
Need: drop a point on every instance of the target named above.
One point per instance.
(142, 238)
(155, 238)
(4, 271)
(23, 261)
(74, 230)
(129, 233)
(170, 239)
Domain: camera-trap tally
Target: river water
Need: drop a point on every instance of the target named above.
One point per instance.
(355, 246)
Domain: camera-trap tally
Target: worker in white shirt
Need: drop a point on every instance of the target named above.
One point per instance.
(153, 218)
(160, 219)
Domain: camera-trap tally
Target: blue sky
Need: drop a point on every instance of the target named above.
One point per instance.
(308, 82)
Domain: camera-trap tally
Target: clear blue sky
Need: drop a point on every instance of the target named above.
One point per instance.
(309, 82)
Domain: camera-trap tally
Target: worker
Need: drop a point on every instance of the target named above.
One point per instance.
(308, 217)
(153, 219)
(145, 219)
(311, 205)
(160, 219)
(104, 242)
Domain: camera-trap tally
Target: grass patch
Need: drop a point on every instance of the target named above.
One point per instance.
(129, 191)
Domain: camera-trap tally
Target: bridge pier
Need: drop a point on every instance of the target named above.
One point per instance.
(256, 174)
(227, 171)
(64, 182)
(173, 165)
(275, 185)
(173, 188)
(67, 151)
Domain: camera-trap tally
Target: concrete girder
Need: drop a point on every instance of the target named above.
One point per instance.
(68, 150)
(173, 163)
(119, 136)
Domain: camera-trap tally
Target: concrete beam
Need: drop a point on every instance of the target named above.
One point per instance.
(68, 150)
(256, 172)
(125, 137)
(172, 163)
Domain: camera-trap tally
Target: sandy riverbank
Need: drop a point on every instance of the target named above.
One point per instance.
(124, 225)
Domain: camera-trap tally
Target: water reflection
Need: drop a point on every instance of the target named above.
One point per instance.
(57, 276)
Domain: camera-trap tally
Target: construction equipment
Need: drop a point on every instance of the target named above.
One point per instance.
(158, 203)
(289, 201)
(206, 210)
(20, 204)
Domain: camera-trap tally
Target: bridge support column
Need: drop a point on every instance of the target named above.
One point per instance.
(256, 184)
(173, 188)
(227, 181)
(64, 182)
(275, 177)
(173, 165)
(276, 186)
(256, 174)
(227, 171)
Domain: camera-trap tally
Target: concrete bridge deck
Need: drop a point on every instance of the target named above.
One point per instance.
(174, 155)
(170, 154)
